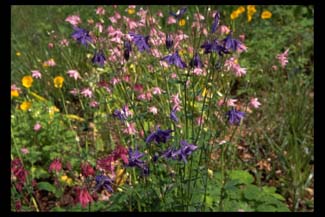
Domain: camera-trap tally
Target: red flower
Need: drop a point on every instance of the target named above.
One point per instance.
(18, 171)
(83, 197)
(87, 169)
(55, 166)
(121, 152)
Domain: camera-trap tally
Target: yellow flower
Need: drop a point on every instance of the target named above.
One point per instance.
(121, 177)
(210, 173)
(14, 93)
(25, 105)
(249, 17)
(131, 10)
(58, 81)
(241, 9)
(27, 81)
(52, 110)
(182, 22)
(266, 15)
(234, 15)
(66, 179)
(251, 9)
(18, 54)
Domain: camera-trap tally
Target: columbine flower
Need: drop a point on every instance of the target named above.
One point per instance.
(123, 113)
(19, 172)
(37, 127)
(58, 81)
(134, 158)
(231, 102)
(74, 91)
(215, 23)
(196, 61)
(173, 116)
(140, 41)
(185, 150)
(74, 74)
(175, 59)
(130, 129)
(179, 14)
(55, 166)
(100, 11)
(27, 81)
(81, 35)
(87, 169)
(73, 20)
(235, 116)
(255, 103)
(159, 136)
(224, 29)
(103, 182)
(214, 46)
(94, 104)
(127, 50)
(84, 197)
(283, 58)
(24, 150)
(232, 65)
(36, 74)
(231, 43)
(49, 62)
(169, 41)
(87, 92)
(64, 42)
(121, 152)
(99, 58)
(156, 91)
(153, 110)
(171, 20)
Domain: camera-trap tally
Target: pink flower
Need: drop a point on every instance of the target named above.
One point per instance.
(196, 25)
(55, 166)
(232, 65)
(113, 19)
(141, 96)
(205, 31)
(37, 127)
(153, 110)
(156, 91)
(130, 129)
(163, 64)
(224, 29)
(198, 71)
(50, 45)
(160, 14)
(74, 91)
(74, 74)
(131, 24)
(100, 27)
(274, 67)
(24, 150)
(50, 62)
(231, 102)
(73, 20)
(64, 42)
(87, 169)
(14, 87)
(148, 96)
(100, 11)
(283, 58)
(173, 75)
(199, 120)
(198, 17)
(87, 92)
(138, 88)
(83, 197)
(94, 104)
(155, 52)
(115, 81)
(241, 47)
(171, 20)
(221, 102)
(176, 101)
(255, 103)
(36, 74)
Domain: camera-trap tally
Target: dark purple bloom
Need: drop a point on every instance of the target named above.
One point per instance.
(155, 157)
(214, 46)
(235, 116)
(173, 116)
(134, 158)
(184, 151)
(160, 136)
(168, 153)
(145, 170)
(231, 43)
(127, 50)
(215, 23)
(196, 61)
(103, 182)
(99, 58)
(121, 114)
(140, 41)
(169, 41)
(81, 35)
(174, 59)
(178, 15)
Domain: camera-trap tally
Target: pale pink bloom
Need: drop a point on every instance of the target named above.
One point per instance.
(36, 74)
(213, 14)
(14, 87)
(153, 110)
(283, 58)
(117, 15)
(181, 36)
(231, 65)
(176, 101)
(131, 24)
(110, 29)
(113, 19)
(24, 150)
(130, 129)
(190, 49)
(99, 26)
(114, 6)
(142, 13)
(100, 11)
(160, 14)
(231, 102)
(50, 45)
(73, 20)
(155, 52)
(50, 62)
(64, 42)
(198, 71)
(87, 92)
(196, 25)
(173, 75)
(152, 20)
(126, 111)
(274, 67)
(126, 78)
(142, 23)
(94, 104)
(156, 91)
(221, 102)
(148, 96)
(198, 17)
(224, 29)
(115, 81)
(74, 91)
(37, 127)
(171, 20)
(255, 103)
(163, 64)
(132, 6)
(241, 47)
(205, 31)
(199, 120)
(239, 71)
(74, 74)
(142, 96)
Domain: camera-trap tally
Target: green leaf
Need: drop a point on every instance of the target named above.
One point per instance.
(252, 192)
(243, 176)
(46, 187)
(266, 208)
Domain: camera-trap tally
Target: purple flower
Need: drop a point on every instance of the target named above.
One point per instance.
(127, 50)
(103, 182)
(235, 116)
(196, 61)
(159, 136)
(134, 158)
(168, 153)
(169, 41)
(173, 116)
(215, 23)
(174, 59)
(81, 35)
(184, 151)
(231, 43)
(214, 46)
(99, 58)
(122, 114)
(140, 41)
(178, 15)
